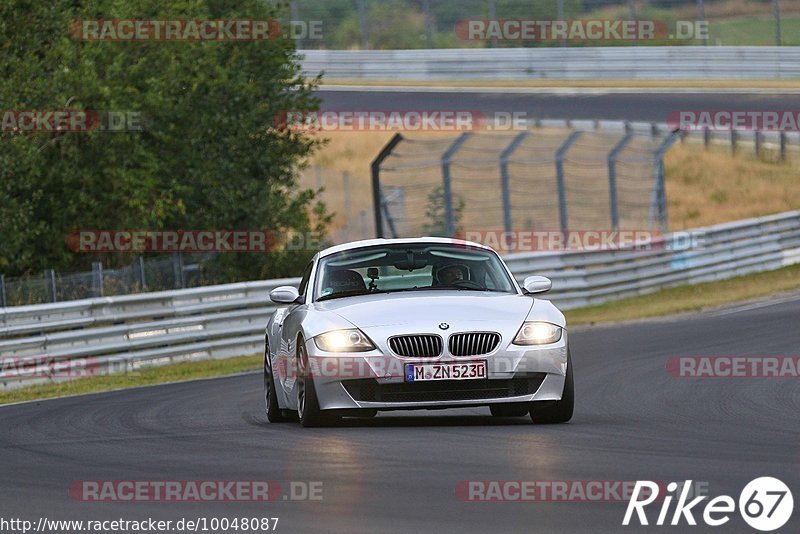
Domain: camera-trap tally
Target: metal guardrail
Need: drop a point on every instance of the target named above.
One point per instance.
(635, 62)
(41, 343)
(727, 250)
(46, 342)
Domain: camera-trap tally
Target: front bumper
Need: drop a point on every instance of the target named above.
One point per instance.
(376, 380)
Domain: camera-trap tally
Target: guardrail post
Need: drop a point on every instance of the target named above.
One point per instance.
(142, 276)
(562, 186)
(97, 279)
(385, 208)
(776, 14)
(428, 22)
(295, 14)
(701, 16)
(50, 283)
(492, 16)
(658, 201)
(362, 22)
(504, 157)
(177, 270)
(447, 158)
(376, 181)
(612, 178)
(634, 16)
(783, 146)
(3, 299)
(734, 139)
(706, 138)
(757, 138)
(348, 204)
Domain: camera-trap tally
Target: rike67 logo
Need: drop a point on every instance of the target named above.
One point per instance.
(765, 504)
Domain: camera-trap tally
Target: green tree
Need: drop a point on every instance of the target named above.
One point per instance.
(437, 217)
(208, 156)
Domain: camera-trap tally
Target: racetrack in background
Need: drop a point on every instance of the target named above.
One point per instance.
(640, 105)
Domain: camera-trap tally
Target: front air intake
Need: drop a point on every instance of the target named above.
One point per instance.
(417, 345)
(473, 343)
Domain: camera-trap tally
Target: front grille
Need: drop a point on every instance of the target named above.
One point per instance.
(369, 390)
(473, 343)
(417, 345)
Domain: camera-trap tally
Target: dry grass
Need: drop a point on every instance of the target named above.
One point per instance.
(719, 9)
(737, 8)
(350, 151)
(694, 298)
(710, 187)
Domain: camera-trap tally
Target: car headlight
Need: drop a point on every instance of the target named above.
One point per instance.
(351, 340)
(537, 333)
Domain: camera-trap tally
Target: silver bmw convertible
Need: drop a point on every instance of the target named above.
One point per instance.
(408, 324)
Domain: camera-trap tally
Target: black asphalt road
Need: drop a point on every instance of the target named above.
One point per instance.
(398, 472)
(642, 106)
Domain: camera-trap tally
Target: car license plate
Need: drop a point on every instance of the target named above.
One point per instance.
(420, 372)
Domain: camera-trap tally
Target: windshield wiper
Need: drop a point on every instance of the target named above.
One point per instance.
(473, 289)
(340, 294)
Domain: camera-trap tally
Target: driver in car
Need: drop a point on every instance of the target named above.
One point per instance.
(448, 275)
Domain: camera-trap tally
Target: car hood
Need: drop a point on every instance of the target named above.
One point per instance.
(429, 306)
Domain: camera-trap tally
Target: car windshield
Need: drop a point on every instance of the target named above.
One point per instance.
(410, 267)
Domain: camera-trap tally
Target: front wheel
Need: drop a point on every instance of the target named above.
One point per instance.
(273, 411)
(308, 409)
(560, 411)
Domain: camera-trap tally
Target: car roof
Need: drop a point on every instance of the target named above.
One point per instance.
(410, 240)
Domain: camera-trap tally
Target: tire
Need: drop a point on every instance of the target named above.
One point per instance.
(273, 411)
(552, 412)
(516, 409)
(308, 410)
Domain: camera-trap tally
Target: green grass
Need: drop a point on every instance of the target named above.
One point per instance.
(144, 377)
(753, 31)
(661, 303)
(689, 298)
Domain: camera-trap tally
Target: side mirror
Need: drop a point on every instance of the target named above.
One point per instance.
(284, 295)
(537, 284)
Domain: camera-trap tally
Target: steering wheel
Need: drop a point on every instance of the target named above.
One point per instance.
(466, 283)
